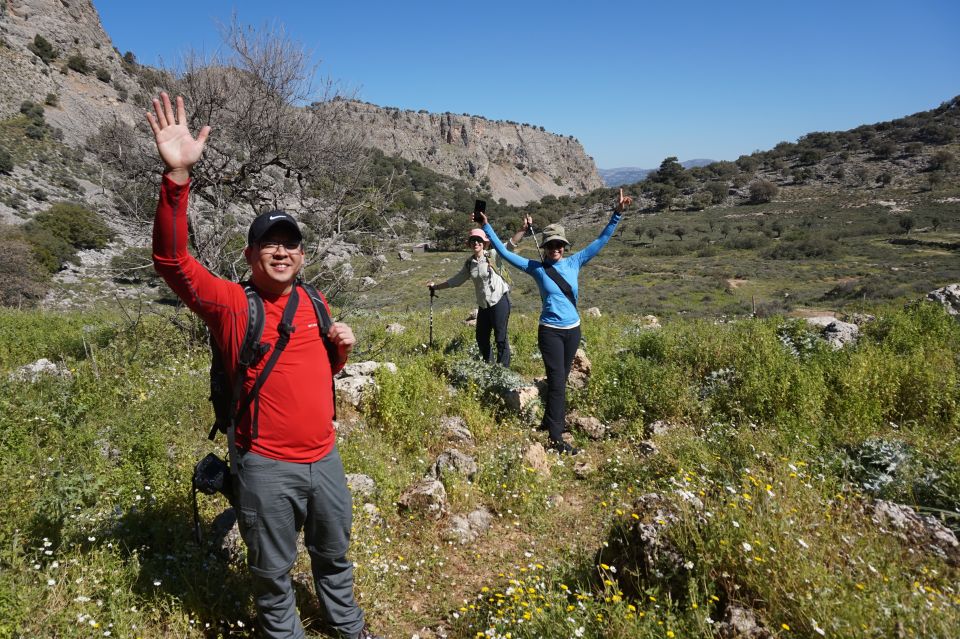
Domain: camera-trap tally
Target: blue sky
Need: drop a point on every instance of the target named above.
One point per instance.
(635, 82)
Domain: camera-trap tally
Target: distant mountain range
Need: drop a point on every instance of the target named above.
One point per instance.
(631, 174)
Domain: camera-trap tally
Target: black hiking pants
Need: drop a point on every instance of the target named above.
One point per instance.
(494, 318)
(558, 346)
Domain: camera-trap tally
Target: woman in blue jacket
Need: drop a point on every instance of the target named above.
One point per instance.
(558, 335)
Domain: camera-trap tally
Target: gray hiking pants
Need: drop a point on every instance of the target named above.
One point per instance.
(276, 500)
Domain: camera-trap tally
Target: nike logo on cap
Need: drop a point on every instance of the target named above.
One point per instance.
(277, 217)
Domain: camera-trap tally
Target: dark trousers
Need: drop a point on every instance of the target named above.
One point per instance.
(494, 317)
(558, 346)
(276, 500)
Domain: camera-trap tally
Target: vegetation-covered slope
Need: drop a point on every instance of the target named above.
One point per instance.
(751, 450)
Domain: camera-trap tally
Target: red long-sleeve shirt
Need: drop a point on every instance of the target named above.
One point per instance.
(295, 421)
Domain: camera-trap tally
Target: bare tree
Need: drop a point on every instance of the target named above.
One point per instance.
(277, 143)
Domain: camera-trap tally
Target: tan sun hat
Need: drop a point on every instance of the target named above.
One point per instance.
(554, 232)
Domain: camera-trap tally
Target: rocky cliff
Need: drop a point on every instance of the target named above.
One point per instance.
(516, 162)
(83, 101)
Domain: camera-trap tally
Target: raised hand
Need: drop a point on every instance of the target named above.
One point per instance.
(479, 217)
(622, 202)
(177, 147)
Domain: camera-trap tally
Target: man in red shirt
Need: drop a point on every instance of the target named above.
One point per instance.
(289, 475)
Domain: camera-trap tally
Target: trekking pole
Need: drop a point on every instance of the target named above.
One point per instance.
(433, 294)
(534, 234)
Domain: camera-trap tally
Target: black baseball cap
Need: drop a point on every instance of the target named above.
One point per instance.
(262, 224)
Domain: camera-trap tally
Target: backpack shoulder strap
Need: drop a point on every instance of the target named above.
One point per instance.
(560, 282)
(323, 318)
(325, 322)
(250, 348)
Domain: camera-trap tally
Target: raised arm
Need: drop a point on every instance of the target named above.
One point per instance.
(514, 241)
(512, 258)
(588, 252)
(202, 291)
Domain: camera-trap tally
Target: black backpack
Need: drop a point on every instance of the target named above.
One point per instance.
(212, 474)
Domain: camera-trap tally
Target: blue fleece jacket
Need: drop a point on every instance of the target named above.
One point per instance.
(557, 311)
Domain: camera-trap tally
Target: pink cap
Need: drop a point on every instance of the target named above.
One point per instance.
(478, 233)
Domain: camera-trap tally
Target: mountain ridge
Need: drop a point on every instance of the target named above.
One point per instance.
(621, 176)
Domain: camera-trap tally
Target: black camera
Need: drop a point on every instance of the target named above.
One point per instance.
(211, 475)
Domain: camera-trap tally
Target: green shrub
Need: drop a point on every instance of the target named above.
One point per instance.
(408, 406)
(81, 227)
(58, 232)
(746, 241)
(103, 75)
(42, 49)
(51, 100)
(6, 161)
(32, 110)
(35, 132)
(78, 63)
(718, 191)
(22, 280)
(762, 191)
(807, 248)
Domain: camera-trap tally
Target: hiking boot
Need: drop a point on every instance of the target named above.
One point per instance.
(563, 448)
(366, 633)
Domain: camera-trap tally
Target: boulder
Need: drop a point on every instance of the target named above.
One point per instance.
(453, 461)
(368, 282)
(658, 427)
(226, 536)
(466, 529)
(649, 322)
(361, 485)
(395, 329)
(583, 469)
(590, 426)
(593, 311)
(426, 497)
(535, 457)
(917, 530)
(365, 368)
(352, 389)
(519, 399)
(455, 429)
(838, 334)
(948, 297)
(372, 513)
(34, 371)
(404, 256)
(741, 623)
(580, 370)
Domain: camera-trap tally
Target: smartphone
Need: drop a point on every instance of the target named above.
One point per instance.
(479, 207)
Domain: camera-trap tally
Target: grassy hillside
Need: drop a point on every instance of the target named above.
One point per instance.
(829, 253)
(759, 482)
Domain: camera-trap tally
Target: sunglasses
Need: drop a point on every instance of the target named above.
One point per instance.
(474, 240)
(554, 246)
(274, 246)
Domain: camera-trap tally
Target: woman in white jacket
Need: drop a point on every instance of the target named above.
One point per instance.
(485, 269)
